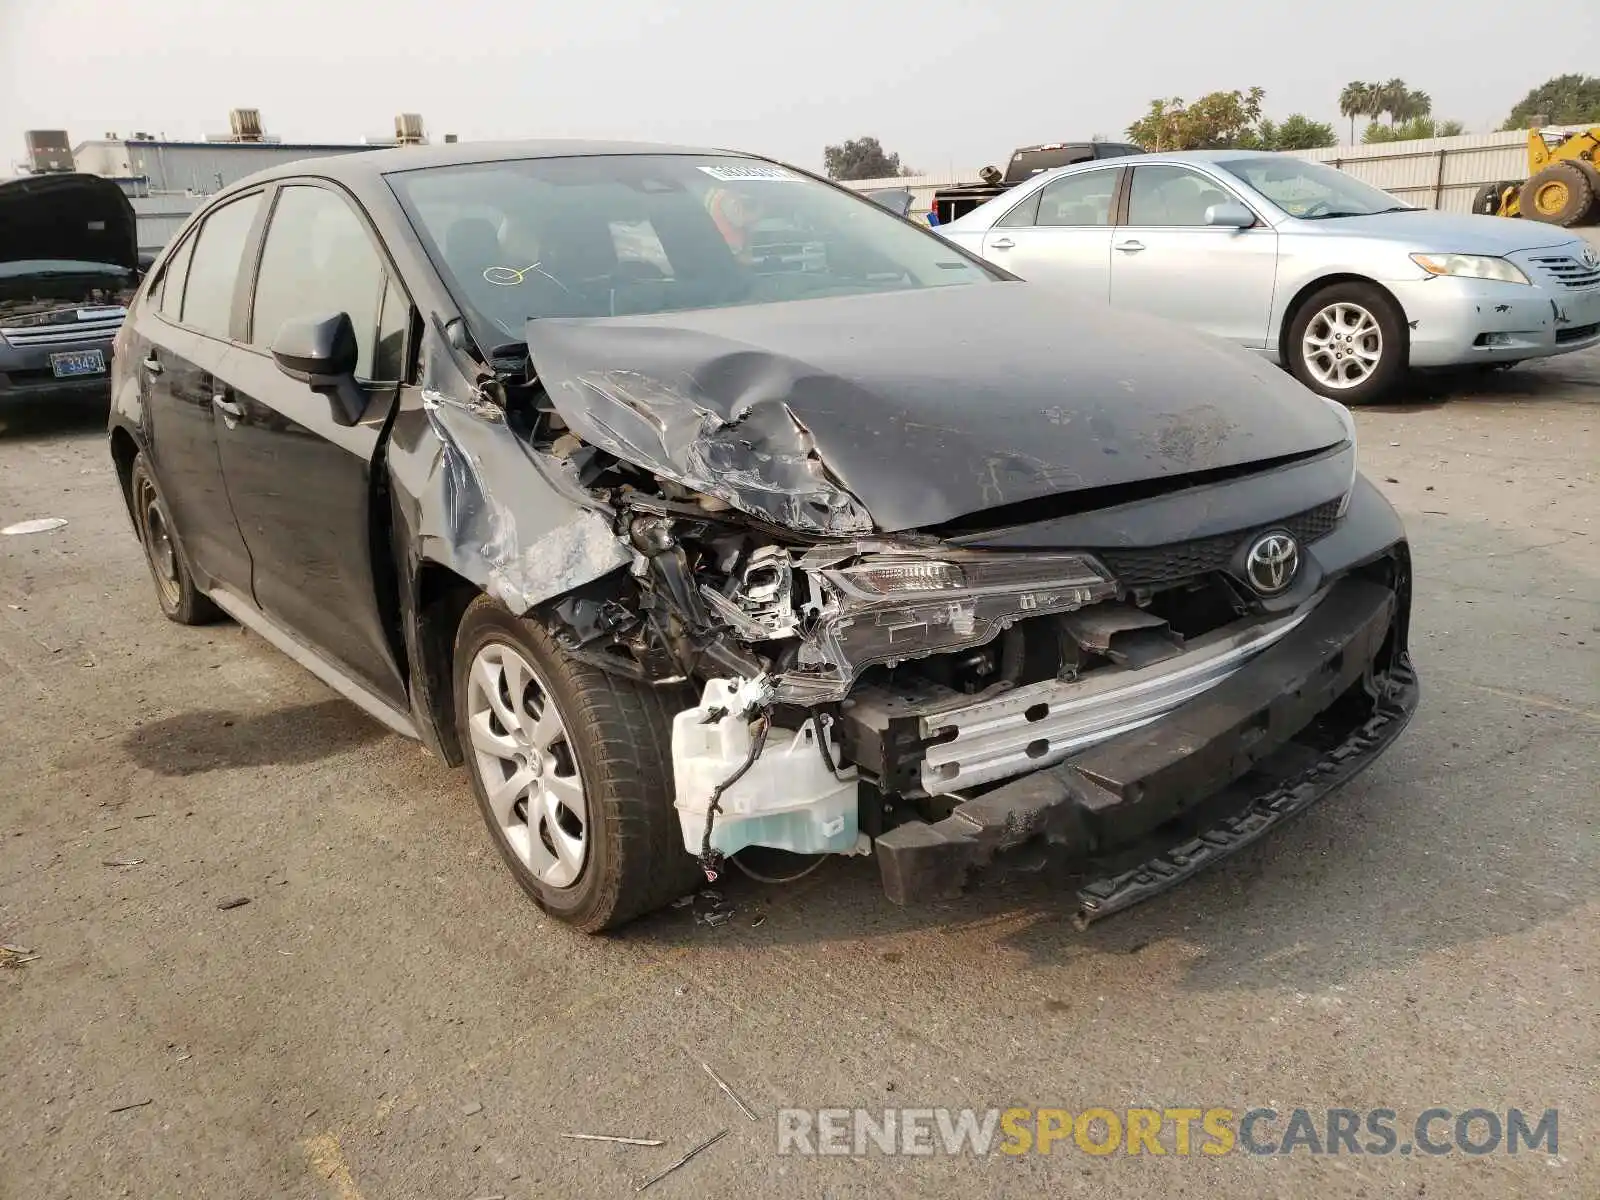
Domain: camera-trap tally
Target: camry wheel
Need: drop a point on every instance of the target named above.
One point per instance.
(1347, 342)
(176, 592)
(571, 767)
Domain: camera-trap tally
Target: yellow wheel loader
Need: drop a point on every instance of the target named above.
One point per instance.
(1563, 185)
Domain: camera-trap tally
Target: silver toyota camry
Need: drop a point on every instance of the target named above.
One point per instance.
(1341, 282)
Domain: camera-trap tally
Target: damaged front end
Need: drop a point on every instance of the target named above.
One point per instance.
(949, 698)
(948, 709)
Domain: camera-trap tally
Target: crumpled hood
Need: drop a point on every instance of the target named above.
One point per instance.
(910, 409)
(72, 216)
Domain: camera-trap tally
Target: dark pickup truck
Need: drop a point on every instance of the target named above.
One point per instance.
(1026, 162)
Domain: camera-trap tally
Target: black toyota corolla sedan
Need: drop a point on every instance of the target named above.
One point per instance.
(697, 504)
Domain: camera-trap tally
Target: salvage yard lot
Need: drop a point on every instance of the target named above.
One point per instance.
(388, 1016)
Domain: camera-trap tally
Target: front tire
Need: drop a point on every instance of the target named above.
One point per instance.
(1348, 342)
(572, 771)
(180, 599)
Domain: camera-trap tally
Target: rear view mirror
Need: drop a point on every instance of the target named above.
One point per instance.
(1231, 214)
(321, 352)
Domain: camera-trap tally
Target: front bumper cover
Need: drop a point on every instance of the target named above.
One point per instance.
(1208, 778)
(1447, 317)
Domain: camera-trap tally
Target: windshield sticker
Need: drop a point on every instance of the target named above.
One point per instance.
(726, 173)
(511, 276)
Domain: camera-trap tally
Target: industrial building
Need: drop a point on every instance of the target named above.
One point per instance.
(167, 180)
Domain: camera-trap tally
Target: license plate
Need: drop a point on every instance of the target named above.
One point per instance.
(78, 362)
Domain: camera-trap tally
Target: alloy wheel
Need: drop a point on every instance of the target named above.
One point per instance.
(1342, 345)
(524, 759)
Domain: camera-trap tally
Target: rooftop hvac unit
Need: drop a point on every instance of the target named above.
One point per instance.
(245, 124)
(48, 150)
(408, 129)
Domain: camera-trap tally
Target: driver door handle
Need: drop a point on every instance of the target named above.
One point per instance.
(1130, 247)
(1004, 243)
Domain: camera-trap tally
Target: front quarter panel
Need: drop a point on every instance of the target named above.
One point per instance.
(468, 495)
(474, 497)
(1308, 255)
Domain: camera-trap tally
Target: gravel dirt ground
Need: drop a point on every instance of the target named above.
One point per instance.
(388, 1017)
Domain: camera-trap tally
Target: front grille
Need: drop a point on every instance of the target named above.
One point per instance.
(1568, 271)
(1150, 566)
(97, 328)
(1576, 333)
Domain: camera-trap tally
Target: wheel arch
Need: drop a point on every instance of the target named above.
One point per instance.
(441, 596)
(1297, 302)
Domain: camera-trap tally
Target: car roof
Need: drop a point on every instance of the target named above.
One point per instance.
(367, 165)
(1152, 157)
(1214, 155)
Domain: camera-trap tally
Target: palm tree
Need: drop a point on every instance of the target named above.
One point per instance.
(1391, 99)
(1355, 101)
(1418, 104)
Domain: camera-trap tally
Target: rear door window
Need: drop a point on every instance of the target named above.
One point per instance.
(1023, 215)
(173, 279)
(214, 269)
(1078, 199)
(317, 261)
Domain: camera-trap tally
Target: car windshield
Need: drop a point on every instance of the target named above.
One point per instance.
(614, 235)
(1312, 190)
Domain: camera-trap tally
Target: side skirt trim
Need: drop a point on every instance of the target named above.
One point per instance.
(253, 619)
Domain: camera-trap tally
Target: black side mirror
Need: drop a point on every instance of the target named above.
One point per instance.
(321, 352)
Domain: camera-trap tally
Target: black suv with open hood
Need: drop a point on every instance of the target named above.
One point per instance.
(684, 546)
(69, 262)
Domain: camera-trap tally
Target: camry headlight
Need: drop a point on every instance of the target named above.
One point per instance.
(1471, 266)
(1348, 420)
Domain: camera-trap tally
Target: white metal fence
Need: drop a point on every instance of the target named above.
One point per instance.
(1441, 173)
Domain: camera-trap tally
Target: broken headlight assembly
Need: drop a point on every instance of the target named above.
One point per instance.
(889, 607)
(1348, 420)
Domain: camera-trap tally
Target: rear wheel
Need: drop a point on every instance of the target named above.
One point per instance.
(1561, 194)
(1348, 342)
(180, 599)
(1488, 200)
(572, 771)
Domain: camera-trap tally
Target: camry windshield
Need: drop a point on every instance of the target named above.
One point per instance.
(1312, 190)
(614, 235)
